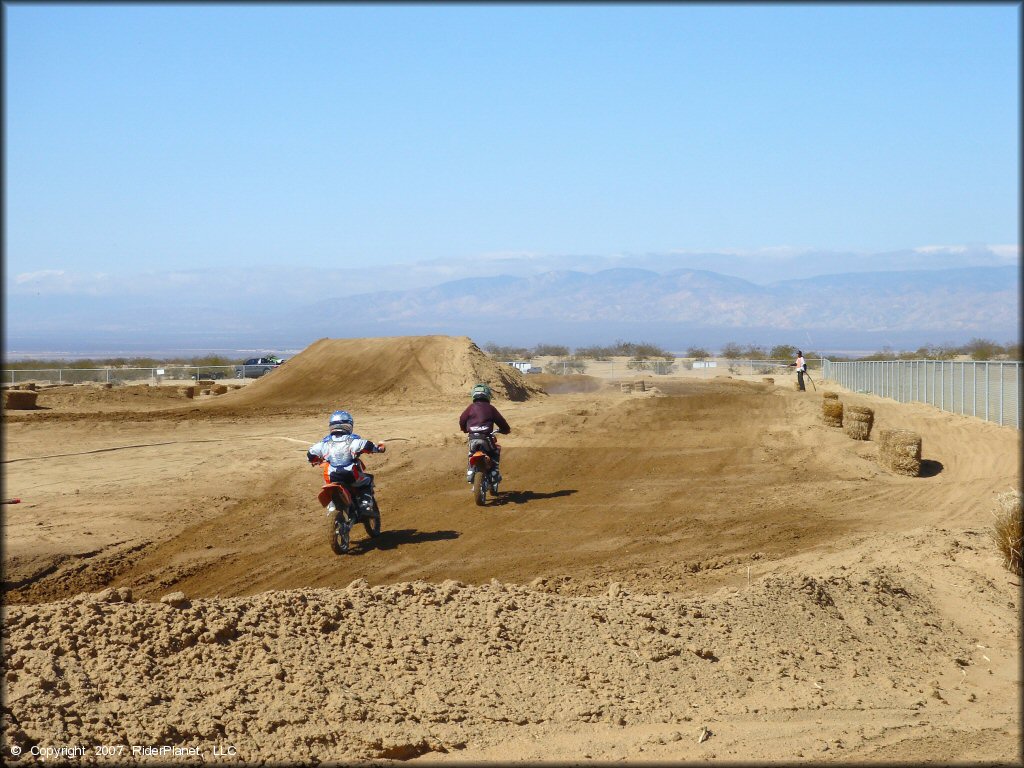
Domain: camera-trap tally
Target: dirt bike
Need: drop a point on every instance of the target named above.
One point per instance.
(484, 475)
(343, 511)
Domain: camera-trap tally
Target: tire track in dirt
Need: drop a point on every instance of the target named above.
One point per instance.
(606, 488)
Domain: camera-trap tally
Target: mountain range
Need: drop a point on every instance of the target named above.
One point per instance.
(675, 309)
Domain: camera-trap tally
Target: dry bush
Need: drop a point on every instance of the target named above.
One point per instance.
(899, 450)
(832, 413)
(1006, 532)
(857, 421)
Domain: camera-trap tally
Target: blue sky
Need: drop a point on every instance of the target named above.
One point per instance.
(171, 137)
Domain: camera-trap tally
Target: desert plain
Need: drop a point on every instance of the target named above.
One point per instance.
(698, 571)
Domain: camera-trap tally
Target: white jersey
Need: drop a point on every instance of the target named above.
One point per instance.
(341, 451)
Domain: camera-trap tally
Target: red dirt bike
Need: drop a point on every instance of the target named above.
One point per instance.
(343, 511)
(484, 477)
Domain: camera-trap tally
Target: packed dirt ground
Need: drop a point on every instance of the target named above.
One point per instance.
(699, 571)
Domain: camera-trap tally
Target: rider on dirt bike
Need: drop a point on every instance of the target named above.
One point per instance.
(341, 448)
(478, 421)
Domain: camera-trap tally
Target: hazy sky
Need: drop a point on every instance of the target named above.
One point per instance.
(145, 137)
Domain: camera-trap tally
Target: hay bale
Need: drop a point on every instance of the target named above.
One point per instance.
(830, 395)
(857, 421)
(832, 413)
(626, 387)
(640, 386)
(188, 392)
(206, 382)
(899, 450)
(768, 380)
(218, 389)
(20, 399)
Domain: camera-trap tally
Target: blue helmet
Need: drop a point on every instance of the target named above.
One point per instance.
(341, 422)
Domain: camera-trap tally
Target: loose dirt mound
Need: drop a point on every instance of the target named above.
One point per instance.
(402, 670)
(406, 369)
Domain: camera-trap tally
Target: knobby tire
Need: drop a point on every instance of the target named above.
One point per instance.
(479, 489)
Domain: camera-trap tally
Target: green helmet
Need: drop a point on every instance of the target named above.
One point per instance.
(481, 392)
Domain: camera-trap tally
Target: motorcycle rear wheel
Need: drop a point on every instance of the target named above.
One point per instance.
(372, 522)
(479, 489)
(338, 526)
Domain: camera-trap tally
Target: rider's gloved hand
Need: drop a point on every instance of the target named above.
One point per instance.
(380, 448)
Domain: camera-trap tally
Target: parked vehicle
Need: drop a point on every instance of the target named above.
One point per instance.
(343, 512)
(255, 367)
(209, 375)
(485, 477)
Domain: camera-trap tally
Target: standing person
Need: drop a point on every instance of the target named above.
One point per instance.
(801, 369)
(478, 421)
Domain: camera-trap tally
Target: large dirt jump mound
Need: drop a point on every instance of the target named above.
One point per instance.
(409, 368)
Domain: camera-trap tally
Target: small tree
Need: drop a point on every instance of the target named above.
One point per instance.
(783, 352)
(982, 349)
(698, 353)
(732, 351)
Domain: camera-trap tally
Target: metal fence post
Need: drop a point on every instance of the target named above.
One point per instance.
(1001, 382)
(986, 390)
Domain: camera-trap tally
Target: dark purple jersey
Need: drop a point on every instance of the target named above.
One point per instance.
(480, 417)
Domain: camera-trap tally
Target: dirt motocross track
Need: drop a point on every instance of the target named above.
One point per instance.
(701, 570)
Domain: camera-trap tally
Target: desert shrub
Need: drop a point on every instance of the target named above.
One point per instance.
(550, 350)
(566, 365)
(783, 352)
(698, 353)
(594, 353)
(498, 352)
(754, 352)
(732, 351)
(982, 349)
(1006, 532)
(655, 366)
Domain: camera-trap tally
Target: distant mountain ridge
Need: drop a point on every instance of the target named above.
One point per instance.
(980, 299)
(673, 308)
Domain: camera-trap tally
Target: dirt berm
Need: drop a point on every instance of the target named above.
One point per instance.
(406, 369)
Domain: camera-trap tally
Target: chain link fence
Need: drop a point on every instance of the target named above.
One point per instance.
(118, 375)
(986, 389)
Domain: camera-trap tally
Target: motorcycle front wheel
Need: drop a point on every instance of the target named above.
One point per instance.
(479, 488)
(339, 532)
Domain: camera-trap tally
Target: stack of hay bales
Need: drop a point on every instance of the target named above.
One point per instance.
(20, 399)
(626, 387)
(831, 410)
(640, 386)
(900, 451)
(857, 421)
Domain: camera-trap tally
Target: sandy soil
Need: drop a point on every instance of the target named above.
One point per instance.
(699, 571)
